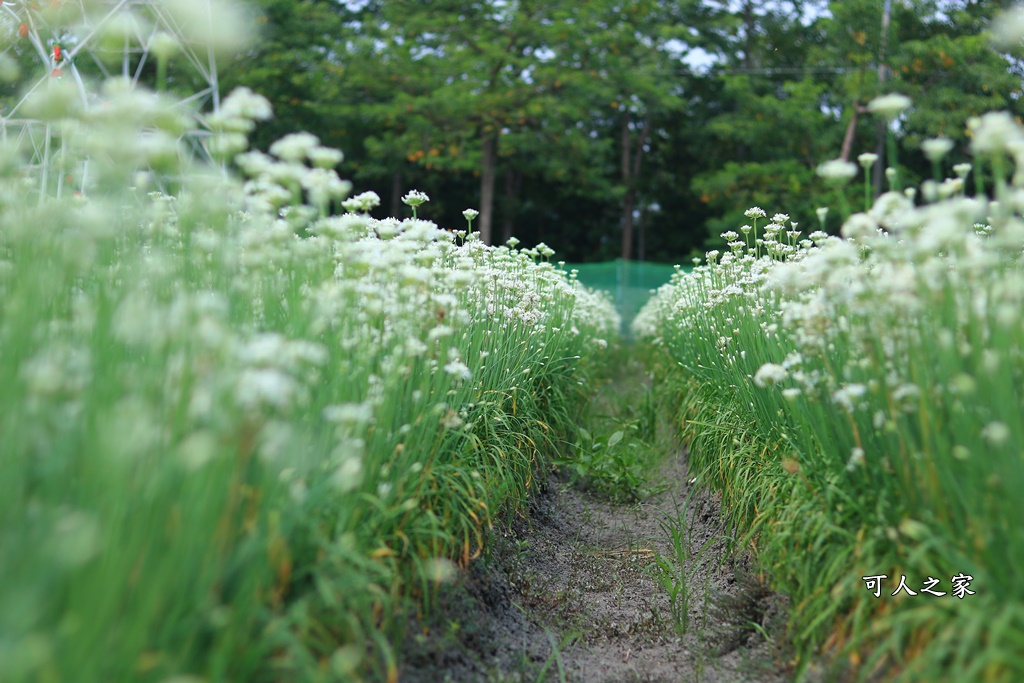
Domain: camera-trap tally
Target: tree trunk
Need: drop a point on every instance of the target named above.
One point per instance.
(749, 61)
(877, 173)
(641, 251)
(628, 204)
(882, 127)
(396, 194)
(848, 138)
(487, 173)
(630, 172)
(629, 198)
(750, 27)
(513, 183)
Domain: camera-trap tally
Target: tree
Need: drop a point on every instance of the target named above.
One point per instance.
(639, 57)
(937, 54)
(295, 63)
(768, 117)
(475, 65)
(562, 94)
(511, 79)
(794, 81)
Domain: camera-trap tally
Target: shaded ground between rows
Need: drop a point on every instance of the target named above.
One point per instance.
(583, 590)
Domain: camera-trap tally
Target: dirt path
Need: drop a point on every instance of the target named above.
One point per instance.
(583, 591)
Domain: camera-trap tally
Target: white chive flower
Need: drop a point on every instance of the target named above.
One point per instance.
(364, 202)
(859, 226)
(837, 171)
(325, 157)
(856, 458)
(996, 433)
(936, 148)
(993, 132)
(415, 198)
(458, 369)
(245, 104)
(1008, 28)
(889, 105)
(295, 147)
(163, 45)
(769, 374)
(867, 160)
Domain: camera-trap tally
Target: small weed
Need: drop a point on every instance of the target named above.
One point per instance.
(614, 455)
(671, 572)
(567, 640)
(614, 467)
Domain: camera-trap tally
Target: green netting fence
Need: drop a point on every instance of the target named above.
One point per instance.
(629, 282)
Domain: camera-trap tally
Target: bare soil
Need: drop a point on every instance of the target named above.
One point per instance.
(574, 592)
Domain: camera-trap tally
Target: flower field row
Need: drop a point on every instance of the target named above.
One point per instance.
(858, 402)
(240, 431)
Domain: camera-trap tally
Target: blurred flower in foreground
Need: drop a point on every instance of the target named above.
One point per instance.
(1008, 27)
(889, 105)
(837, 171)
